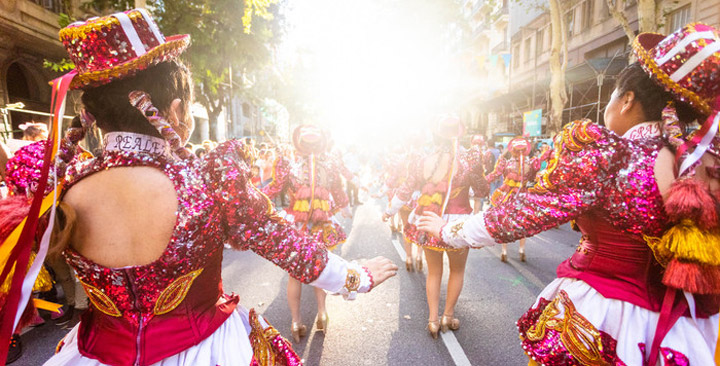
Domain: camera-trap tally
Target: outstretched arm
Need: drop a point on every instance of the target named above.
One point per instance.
(579, 171)
(251, 223)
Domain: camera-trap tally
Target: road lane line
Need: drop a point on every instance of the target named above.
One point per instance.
(400, 249)
(451, 343)
(456, 351)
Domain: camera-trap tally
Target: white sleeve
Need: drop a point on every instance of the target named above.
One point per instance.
(336, 276)
(468, 232)
(395, 205)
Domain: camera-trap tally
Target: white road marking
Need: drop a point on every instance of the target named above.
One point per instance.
(451, 343)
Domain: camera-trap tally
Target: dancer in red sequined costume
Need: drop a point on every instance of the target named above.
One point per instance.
(643, 286)
(143, 224)
(444, 178)
(517, 169)
(317, 194)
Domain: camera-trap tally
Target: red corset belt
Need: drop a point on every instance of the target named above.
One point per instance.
(622, 267)
(118, 341)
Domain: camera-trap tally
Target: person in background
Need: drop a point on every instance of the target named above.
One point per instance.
(200, 152)
(255, 174)
(34, 131)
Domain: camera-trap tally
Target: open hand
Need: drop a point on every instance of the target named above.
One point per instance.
(381, 269)
(431, 223)
(385, 217)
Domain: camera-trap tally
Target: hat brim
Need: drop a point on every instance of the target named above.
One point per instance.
(642, 46)
(171, 49)
(309, 147)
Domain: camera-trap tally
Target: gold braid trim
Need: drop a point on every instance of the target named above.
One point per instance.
(101, 301)
(574, 137)
(175, 293)
(649, 64)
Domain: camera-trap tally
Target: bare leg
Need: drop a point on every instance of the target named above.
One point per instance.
(322, 317)
(503, 256)
(433, 281)
(521, 250)
(455, 281)
(294, 290)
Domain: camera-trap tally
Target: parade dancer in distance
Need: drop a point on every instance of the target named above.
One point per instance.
(444, 177)
(317, 194)
(143, 224)
(516, 168)
(644, 283)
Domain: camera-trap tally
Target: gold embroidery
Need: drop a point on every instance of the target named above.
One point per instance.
(101, 301)
(581, 339)
(455, 229)
(352, 280)
(175, 293)
(661, 253)
(261, 340)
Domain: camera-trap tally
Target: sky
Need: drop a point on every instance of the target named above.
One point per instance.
(374, 70)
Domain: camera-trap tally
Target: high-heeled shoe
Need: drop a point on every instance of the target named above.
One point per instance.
(448, 322)
(503, 257)
(409, 264)
(434, 328)
(322, 322)
(418, 264)
(298, 330)
(522, 257)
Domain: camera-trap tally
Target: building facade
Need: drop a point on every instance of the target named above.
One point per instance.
(598, 49)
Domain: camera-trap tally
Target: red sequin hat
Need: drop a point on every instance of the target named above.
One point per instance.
(450, 128)
(117, 46)
(309, 139)
(519, 145)
(686, 63)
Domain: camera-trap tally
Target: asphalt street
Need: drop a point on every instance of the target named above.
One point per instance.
(388, 325)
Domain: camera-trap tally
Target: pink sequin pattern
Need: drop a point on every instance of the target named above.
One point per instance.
(592, 169)
(217, 204)
(670, 356)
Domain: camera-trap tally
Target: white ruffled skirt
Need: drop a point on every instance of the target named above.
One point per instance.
(575, 309)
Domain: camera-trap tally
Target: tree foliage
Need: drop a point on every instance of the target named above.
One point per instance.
(227, 36)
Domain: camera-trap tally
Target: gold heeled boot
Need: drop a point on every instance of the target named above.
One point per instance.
(434, 328)
(419, 263)
(409, 264)
(322, 322)
(298, 331)
(448, 322)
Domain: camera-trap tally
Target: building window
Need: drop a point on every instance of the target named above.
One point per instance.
(526, 50)
(540, 42)
(56, 6)
(587, 9)
(570, 22)
(246, 110)
(678, 18)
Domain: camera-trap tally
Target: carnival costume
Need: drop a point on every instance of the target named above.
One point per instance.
(516, 171)
(314, 181)
(174, 311)
(449, 197)
(643, 284)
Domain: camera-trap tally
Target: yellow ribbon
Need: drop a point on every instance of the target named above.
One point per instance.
(46, 305)
(427, 200)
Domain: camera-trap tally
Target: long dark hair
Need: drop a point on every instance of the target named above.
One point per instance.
(652, 97)
(164, 82)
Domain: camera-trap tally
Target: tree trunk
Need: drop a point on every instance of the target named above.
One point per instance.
(558, 63)
(213, 115)
(622, 19)
(647, 13)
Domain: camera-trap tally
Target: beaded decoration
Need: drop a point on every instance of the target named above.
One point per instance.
(142, 101)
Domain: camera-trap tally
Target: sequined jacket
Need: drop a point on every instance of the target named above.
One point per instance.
(315, 184)
(142, 314)
(606, 183)
(469, 172)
